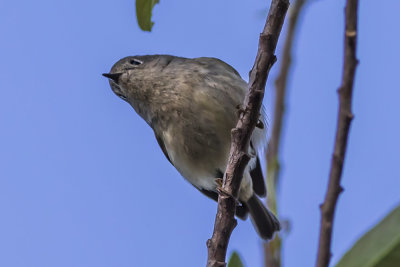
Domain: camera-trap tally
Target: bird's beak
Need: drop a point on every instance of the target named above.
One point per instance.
(113, 76)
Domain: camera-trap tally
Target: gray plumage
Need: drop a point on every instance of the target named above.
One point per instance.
(191, 104)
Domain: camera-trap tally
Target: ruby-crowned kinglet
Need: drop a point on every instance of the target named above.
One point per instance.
(191, 104)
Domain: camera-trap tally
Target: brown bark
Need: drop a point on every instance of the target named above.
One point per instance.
(238, 157)
(342, 131)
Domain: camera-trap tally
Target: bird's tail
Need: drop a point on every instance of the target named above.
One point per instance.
(264, 221)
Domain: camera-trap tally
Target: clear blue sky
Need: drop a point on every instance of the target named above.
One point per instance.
(82, 180)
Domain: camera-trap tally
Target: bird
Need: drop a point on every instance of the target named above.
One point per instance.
(192, 104)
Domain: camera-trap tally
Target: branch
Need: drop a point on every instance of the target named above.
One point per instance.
(344, 119)
(272, 250)
(238, 157)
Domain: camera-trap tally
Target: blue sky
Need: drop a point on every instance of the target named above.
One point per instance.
(82, 180)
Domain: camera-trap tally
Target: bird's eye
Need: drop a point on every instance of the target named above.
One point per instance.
(135, 62)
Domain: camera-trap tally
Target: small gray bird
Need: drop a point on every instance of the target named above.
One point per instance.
(192, 105)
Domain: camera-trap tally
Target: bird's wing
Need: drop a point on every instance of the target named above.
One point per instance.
(258, 179)
(217, 63)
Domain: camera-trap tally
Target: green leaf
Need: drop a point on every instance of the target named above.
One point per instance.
(235, 261)
(144, 10)
(380, 247)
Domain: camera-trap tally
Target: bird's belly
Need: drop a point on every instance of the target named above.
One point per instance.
(200, 161)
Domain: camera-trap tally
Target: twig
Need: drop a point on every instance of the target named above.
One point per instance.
(342, 131)
(238, 157)
(272, 250)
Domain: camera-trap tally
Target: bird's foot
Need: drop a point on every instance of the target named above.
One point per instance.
(240, 110)
(222, 191)
(219, 182)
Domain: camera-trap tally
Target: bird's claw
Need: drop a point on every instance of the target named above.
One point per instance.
(221, 190)
(240, 110)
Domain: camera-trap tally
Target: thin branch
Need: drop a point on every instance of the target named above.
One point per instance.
(238, 157)
(272, 250)
(344, 119)
(281, 81)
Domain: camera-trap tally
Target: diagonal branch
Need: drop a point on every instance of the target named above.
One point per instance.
(272, 250)
(238, 157)
(344, 119)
